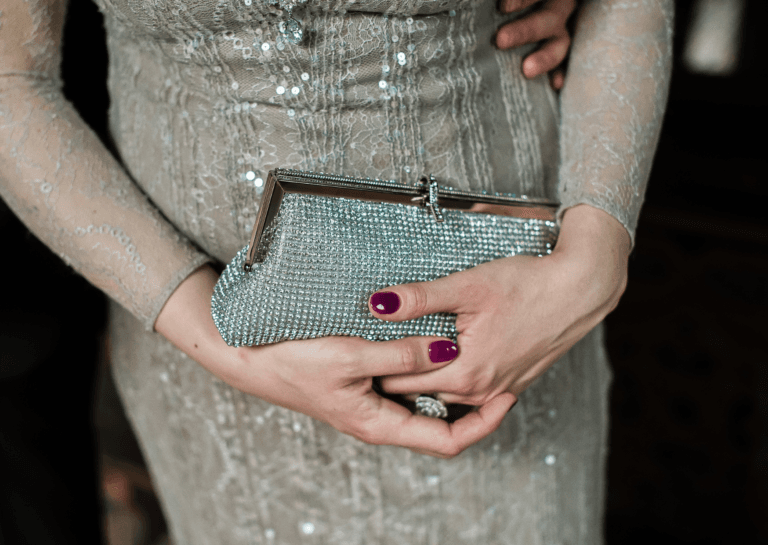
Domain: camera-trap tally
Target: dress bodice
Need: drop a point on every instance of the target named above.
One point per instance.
(207, 97)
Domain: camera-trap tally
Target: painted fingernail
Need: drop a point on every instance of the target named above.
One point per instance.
(442, 351)
(385, 302)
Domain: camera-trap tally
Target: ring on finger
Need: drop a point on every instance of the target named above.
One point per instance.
(431, 406)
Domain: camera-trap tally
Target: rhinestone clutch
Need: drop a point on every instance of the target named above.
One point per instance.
(323, 244)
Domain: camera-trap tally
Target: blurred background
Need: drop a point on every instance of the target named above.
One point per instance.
(689, 435)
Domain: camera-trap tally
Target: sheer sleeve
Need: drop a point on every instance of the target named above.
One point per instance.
(613, 103)
(59, 179)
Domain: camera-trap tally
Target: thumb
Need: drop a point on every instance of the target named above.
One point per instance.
(410, 301)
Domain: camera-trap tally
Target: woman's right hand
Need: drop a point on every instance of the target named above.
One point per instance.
(329, 379)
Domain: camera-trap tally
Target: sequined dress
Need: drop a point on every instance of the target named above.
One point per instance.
(206, 98)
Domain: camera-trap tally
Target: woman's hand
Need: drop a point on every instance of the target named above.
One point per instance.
(329, 379)
(516, 316)
(547, 25)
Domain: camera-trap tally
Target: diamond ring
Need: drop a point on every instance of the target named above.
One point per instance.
(431, 406)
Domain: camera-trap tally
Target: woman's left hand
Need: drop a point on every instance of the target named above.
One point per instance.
(546, 25)
(516, 316)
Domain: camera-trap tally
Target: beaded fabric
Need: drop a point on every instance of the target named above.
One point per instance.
(205, 100)
(324, 257)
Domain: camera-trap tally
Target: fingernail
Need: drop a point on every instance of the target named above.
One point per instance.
(442, 351)
(385, 302)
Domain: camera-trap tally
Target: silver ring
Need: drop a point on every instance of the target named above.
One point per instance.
(431, 406)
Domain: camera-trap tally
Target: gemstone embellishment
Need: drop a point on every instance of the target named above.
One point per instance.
(291, 31)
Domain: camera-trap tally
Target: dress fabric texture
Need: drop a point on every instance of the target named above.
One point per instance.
(206, 99)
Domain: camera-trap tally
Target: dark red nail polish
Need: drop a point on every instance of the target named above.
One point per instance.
(442, 351)
(385, 302)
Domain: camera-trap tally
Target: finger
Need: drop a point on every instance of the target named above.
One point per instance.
(409, 301)
(508, 6)
(452, 383)
(533, 28)
(407, 356)
(448, 440)
(557, 79)
(548, 57)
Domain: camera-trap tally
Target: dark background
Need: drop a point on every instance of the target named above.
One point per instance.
(689, 436)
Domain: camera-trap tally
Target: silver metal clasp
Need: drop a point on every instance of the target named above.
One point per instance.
(429, 196)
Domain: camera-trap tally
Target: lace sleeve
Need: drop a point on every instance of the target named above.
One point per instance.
(59, 179)
(613, 104)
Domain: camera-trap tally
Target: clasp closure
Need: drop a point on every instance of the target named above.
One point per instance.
(430, 191)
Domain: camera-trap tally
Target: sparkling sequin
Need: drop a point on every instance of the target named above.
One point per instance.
(385, 68)
(308, 528)
(295, 90)
(258, 182)
(250, 175)
(286, 69)
(305, 76)
(383, 84)
(291, 30)
(291, 112)
(269, 533)
(280, 90)
(265, 46)
(550, 459)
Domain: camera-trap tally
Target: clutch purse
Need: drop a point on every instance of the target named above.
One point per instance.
(323, 244)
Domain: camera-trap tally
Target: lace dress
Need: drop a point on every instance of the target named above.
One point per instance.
(206, 98)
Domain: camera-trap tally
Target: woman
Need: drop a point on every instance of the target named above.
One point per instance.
(206, 97)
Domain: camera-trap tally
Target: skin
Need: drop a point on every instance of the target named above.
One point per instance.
(546, 25)
(517, 316)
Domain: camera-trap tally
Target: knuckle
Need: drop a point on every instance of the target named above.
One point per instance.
(551, 23)
(549, 59)
(466, 387)
(418, 299)
(345, 355)
(407, 357)
(525, 33)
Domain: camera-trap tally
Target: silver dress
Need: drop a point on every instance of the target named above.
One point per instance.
(206, 98)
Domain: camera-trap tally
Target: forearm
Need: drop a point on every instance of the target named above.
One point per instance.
(60, 180)
(613, 103)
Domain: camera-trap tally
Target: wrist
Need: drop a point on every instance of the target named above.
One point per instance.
(585, 228)
(594, 247)
(186, 322)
